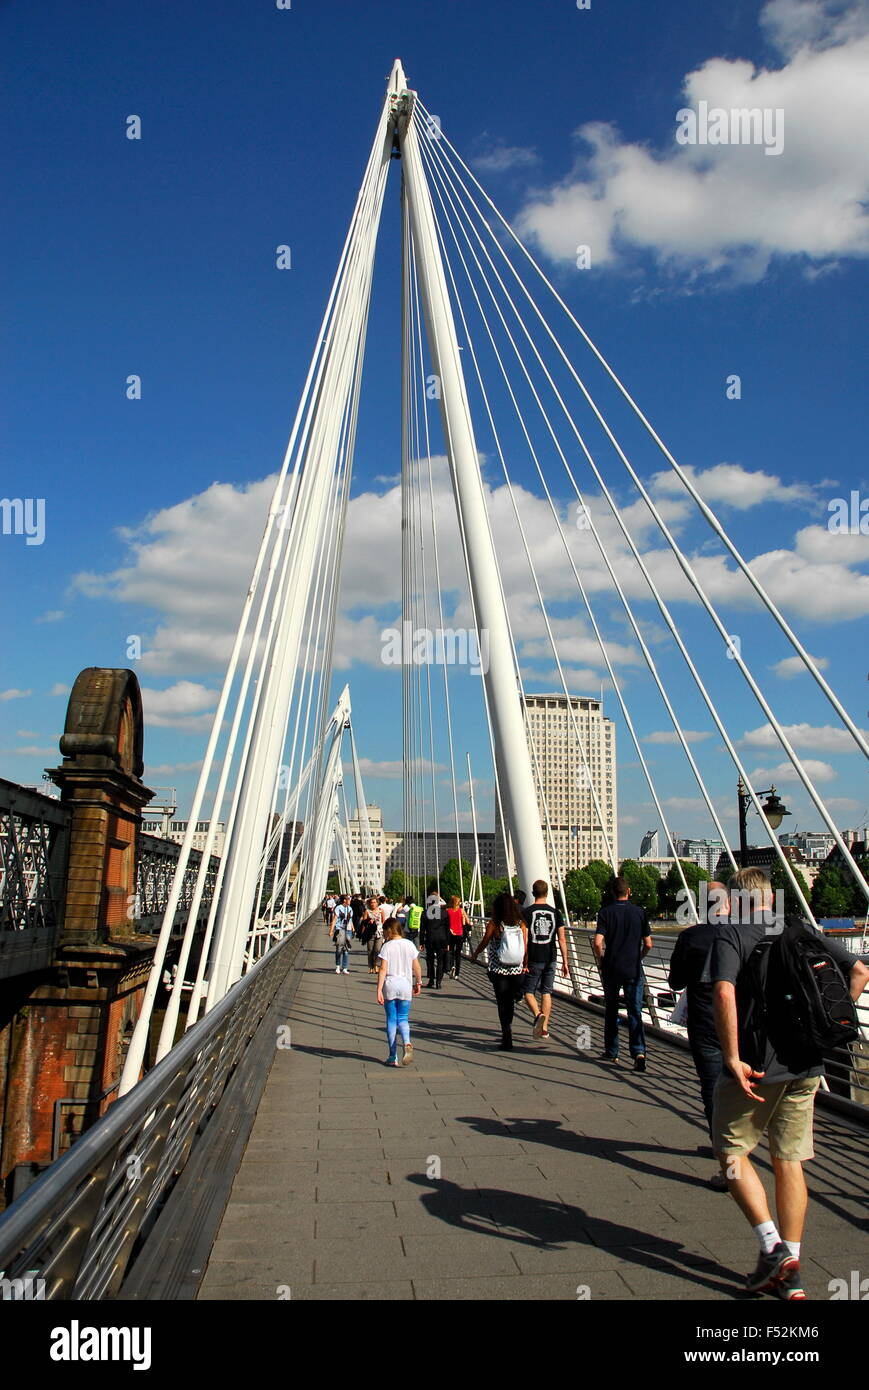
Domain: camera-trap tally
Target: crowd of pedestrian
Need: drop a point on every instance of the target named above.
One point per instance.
(763, 995)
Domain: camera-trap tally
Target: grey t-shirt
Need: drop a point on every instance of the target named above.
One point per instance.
(730, 950)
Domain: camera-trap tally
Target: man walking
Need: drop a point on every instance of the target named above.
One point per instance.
(341, 933)
(434, 940)
(767, 1085)
(621, 941)
(545, 933)
(688, 971)
(413, 920)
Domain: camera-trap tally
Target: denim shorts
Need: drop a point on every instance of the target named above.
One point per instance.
(540, 978)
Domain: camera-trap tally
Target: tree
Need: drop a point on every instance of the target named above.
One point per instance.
(643, 892)
(581, 893)
(781, 882)
(601, 872)
(332, 884)
(831, 894)
(396, 886)
(858, 905)
(452, 883)
(671, 894)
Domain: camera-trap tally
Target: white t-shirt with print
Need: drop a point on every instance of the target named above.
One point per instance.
(399, 954)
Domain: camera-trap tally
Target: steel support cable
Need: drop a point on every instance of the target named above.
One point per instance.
(418, 395)
(559, 527)
(331, 550)
(665, 613)
(325, 576)
(348, 454)
(626, 605)
(282, 491)
(689, 573)
(707, 512)
(271, 718)
(528, 556)
(465, 556)
(329, 330)
(439, 595)
(580, 742)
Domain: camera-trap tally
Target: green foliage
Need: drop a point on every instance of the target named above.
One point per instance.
(671, 894)
(582, 894)
(396, 887)
(832, 893)
(601, 872)
(644, 889)
(332, 884)
(780, 881)
(452, 883)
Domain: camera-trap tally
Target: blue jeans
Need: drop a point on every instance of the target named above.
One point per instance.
(341, 958)
(708, 1062)
(633, 989)
(397, 1021)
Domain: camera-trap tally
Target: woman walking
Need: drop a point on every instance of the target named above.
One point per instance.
(372, 933)
(341, 932)
(399, 978)
(506, 938)
(458, 924)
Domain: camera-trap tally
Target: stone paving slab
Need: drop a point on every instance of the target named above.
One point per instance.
(538, 1174)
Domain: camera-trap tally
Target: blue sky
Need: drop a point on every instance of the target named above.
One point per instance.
(156, 257)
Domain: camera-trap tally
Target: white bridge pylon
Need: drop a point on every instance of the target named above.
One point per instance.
(273, 758)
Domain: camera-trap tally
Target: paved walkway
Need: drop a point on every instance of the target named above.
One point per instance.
(537, 1174)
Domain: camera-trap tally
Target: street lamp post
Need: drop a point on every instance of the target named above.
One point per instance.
(773, 809)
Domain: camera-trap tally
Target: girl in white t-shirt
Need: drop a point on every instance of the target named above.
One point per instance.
(399, 978)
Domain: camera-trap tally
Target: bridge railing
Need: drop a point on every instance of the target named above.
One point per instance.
(155, 871)
(34, 847)
(80, 1223)
(847, 1068)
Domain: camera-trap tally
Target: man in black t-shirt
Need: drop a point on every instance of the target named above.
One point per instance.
(689, 971)
(777, 1098)
(621, 941)
(545, 932)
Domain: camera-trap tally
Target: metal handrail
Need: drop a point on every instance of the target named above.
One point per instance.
(78, 1225)
(847, 1068)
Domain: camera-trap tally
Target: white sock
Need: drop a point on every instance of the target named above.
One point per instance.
(768, 1236)
(794, 1248)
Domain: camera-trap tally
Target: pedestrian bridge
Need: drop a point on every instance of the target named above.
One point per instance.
(272, 1155)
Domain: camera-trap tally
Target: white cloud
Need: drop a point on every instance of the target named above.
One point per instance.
(730, 208)
(31, 751)
(189, 566)
(825, 738)
(816, 771)
(500, 157)
(53, 615)
(733, 485)
(791, 666)
(185, 705)
(170, 769)
(389, 770)
(28, 733)
(13, 694)
(670, 736)
(59, 689)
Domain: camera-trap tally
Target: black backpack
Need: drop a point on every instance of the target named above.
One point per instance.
(796, 999)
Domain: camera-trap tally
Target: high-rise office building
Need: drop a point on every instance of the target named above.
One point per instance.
(564, 784)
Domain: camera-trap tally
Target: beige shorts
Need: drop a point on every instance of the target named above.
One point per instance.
(785, 1114)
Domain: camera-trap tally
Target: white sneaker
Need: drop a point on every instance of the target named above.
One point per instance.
(337, 970)
(345, 972)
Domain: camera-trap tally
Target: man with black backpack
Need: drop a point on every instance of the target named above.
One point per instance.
(433, 939)
(781, 993)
